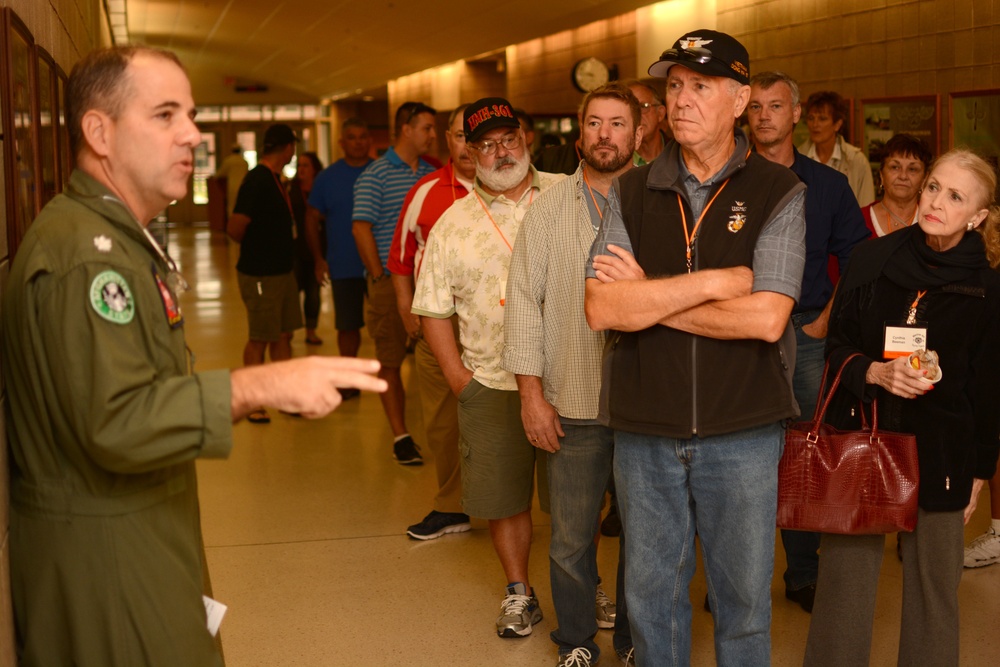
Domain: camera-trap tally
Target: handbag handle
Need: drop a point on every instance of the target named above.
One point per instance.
(864, 418)
(823, 404)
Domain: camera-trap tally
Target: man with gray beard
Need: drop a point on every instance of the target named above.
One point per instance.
(464, 272)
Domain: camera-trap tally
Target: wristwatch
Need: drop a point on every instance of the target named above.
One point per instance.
(380, 277)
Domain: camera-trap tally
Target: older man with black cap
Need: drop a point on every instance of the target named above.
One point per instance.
(700, 376)
(464, 272)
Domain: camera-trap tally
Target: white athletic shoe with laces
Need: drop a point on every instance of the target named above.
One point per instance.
(984, 550)
(518, 612)
(578, 657)
(604, 609)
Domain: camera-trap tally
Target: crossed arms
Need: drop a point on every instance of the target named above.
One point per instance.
(716, 303)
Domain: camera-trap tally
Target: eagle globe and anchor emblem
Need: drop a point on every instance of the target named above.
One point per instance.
(738, 218)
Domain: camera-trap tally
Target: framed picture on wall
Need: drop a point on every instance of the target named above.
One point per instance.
(975, 123)
(5, 215)
(881, 118)
(65, 153)
(20, 127)
(48, 129)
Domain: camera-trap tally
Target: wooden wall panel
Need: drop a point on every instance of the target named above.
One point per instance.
(865, 48)
(65, 29)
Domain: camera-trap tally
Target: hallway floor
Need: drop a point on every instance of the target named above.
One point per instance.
(305, 534)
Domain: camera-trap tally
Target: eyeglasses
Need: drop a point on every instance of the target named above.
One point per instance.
(508, 141)
(646, 106)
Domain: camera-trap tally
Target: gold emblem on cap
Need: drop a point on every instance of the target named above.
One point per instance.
(694, 42)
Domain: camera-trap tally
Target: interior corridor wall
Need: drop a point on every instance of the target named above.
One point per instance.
(860, 48)
(66, 29)
(873, 48)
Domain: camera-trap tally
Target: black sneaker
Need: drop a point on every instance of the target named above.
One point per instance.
(407, 453)
(437, 524)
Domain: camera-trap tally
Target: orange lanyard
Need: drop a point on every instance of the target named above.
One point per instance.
(597, 206)
(495, 225)
(912, 317)
(689, 237)
(455, 185)
(284, 193)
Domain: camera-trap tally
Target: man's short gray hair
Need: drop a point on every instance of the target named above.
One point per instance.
(455, 113)
(353, 121)
(657, 95)
(767, 79)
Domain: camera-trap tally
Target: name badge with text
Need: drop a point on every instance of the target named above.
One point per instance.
(902, 339)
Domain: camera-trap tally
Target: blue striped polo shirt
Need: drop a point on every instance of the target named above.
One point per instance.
(379, 193)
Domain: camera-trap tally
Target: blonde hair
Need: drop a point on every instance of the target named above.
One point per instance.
(986, 176)
(990, 229)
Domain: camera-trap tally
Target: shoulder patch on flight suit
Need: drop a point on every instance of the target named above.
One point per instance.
(111, 297)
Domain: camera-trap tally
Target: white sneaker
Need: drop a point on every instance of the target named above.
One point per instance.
(519, 611)
(604, 609)
(578, 657)
(984, 550)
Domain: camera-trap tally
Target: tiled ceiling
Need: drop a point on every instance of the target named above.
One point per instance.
(305, 50)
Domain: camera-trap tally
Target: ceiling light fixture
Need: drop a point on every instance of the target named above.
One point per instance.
(117, 21)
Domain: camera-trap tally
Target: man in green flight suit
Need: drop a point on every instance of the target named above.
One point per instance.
(104, 416)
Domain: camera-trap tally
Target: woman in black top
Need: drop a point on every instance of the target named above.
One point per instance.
(932, 279)
(308, 166)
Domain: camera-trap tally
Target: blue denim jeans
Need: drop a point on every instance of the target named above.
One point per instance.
(578, 476)
(725, 488)
(801, 547)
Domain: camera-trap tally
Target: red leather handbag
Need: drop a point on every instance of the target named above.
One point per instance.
(847, 482)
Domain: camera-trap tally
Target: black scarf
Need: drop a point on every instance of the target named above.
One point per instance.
(905, 258)
(915, 265)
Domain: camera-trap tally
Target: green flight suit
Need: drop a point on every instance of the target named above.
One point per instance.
(104, 422)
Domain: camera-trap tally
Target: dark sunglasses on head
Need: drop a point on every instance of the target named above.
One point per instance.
(414, 109)
(695, 54)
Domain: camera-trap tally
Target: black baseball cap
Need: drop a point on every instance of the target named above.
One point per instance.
(706, 52)
(488, 114)
(278, 136)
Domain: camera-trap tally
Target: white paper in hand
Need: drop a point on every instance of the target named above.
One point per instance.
(214, 610)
